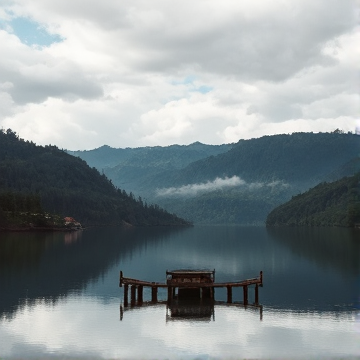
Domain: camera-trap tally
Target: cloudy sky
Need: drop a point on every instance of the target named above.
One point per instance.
(80, 74)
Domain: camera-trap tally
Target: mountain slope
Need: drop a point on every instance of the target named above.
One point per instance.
(68, 186)
(327, 204)
(243, 184)
(134, 169)
(304, 158)
(284, 164)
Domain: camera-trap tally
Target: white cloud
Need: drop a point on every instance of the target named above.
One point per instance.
(140, 73)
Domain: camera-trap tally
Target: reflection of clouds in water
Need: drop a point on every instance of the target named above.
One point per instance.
(357, 127)
(357, 322)
(81, 326)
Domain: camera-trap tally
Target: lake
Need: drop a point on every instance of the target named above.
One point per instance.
(60, 295)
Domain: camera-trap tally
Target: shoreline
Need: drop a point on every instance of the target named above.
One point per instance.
(24, 229)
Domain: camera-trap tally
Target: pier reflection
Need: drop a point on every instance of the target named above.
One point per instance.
(191, 309)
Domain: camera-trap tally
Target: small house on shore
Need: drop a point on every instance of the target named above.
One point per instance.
(71, 223)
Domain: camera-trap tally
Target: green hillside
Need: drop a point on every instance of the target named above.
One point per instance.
(327, 204)
(238, 205)
(67, 186)
(134, 169)
(298, 158)
(274, 168)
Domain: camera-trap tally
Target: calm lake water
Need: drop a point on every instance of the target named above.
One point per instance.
(59, 294)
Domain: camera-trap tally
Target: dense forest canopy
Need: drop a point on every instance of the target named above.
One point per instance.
(305, 158)
(260, 174)
(271, 169)
(274, 168)
(66, 185)
(327, 204)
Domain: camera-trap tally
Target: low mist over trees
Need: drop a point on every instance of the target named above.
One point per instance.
(268, 172)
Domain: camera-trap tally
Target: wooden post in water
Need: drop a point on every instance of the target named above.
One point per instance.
(133, 294)
(245, 291)
(126, 290)
(229, 294)
(257, 294)
(154, 293)
(140, 294)
(121, 277)
(170, 293)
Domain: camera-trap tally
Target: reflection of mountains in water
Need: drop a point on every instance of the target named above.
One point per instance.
(52, 264)
(336, 248)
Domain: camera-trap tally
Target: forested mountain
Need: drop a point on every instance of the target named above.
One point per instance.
(67, 186)
(327, 204)
(349, 168)
(299, 158)
(243, 184)
(134, 169)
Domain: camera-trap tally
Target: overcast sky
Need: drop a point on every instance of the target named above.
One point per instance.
(80, 74)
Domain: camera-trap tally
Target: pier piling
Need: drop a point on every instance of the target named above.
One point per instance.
(140, 294)
(154, 293)
(121, 278)
(126, 290)
(133, 294)
(229, 294)
(170, 293)
(256, 294)
(245, 291)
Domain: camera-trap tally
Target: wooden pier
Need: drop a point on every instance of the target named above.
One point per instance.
(187, 284)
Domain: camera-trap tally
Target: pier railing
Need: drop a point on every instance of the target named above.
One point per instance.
(137, 286)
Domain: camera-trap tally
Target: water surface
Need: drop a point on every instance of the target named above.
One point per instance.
(59, 293)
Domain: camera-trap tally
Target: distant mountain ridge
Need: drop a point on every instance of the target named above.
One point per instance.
(239, 183)
(173, 156)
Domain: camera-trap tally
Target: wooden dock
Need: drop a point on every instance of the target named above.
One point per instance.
(187, 284)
